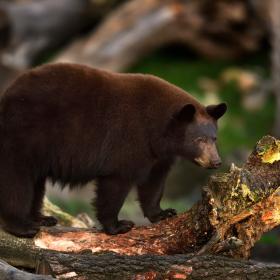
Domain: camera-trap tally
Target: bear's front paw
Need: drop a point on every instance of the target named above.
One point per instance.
(164, 214)
(122, 226)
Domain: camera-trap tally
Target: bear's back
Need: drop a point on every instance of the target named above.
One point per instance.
(97, 120)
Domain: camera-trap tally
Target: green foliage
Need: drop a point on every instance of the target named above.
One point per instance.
(73, 206)
(271, 239)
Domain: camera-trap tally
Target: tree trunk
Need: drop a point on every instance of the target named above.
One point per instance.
(215, 29)
(236, 209)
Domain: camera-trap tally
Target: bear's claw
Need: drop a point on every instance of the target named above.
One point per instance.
(122, 226)
(164, 214)
(48, 221)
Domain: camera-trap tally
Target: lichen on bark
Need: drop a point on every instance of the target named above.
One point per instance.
(245, 196)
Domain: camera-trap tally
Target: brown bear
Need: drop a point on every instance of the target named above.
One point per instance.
(72, 124)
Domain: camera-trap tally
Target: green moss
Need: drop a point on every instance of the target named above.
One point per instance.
(269, 150)
(246, 193)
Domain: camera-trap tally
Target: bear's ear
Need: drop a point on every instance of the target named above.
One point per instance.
(186, 113)
(217, 111)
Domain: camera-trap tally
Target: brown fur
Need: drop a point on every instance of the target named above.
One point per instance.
(73, 124)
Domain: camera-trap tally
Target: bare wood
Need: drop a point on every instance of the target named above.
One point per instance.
(211, 28)
(236, 209)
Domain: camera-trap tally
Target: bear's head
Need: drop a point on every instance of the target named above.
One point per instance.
(193, 133)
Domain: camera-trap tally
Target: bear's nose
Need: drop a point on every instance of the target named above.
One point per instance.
(216, 163)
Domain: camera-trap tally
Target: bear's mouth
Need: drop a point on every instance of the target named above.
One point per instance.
(205, 164)
(200, 162)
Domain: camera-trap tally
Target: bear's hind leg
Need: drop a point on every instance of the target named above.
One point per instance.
(36, 215)
(19, 226)
(111, 193)
(16, 195)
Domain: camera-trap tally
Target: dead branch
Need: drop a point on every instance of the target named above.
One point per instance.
(211, 28)
(236, 209)
(28, 29)
(8, 272)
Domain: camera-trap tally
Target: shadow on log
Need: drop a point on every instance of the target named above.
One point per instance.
(236, 209)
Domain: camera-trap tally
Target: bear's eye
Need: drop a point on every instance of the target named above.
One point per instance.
(201, 139)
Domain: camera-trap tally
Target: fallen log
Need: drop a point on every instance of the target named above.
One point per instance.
(215, 29)
(236, 209)
(153, 267)
(86, 265)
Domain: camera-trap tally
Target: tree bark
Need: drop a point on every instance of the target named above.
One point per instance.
(236, 209)
(215, 29)
(114, 266)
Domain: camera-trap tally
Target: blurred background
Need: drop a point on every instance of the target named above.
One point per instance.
(217, 50)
